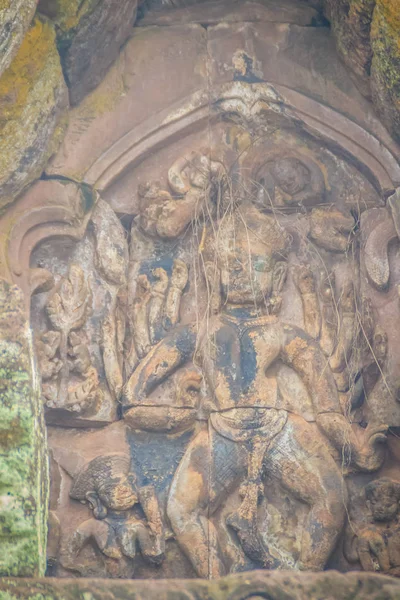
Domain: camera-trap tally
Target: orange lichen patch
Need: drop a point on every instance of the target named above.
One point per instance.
(296, 347)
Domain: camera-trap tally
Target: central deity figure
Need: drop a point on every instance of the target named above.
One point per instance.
(251, 433)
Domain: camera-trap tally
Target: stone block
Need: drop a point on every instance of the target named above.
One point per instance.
(385, 68)
(351, 27)
(15, 18)
(155, 69)
(245, 586)
(33, 99)
(89, 37)
(300, 58)
(212, 12)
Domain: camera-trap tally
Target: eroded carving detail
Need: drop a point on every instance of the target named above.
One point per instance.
(377, 545)
(155, 308)
(108, 485)
(63, 352)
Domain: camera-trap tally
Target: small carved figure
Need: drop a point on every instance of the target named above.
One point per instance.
(287, 182)
(179, 279)
(328, 312)
(305, 283)
(158, 293)
(139, 316)
(377, 546)
(155, 307)
(108, 485)
(79, 357)
(194, 180)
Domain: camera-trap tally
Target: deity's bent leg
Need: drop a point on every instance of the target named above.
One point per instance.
(202, 480)
(299, 458)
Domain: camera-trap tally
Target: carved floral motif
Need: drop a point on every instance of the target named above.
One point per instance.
(62, 351)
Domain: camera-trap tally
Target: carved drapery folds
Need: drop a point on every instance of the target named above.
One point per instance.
(218, 361)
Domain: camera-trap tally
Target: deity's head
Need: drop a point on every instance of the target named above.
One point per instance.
(383, 497)
(291, 175)
(106, 483)
(249, 251)
(287, 182)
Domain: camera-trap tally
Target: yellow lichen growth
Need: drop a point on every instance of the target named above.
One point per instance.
(32, 96)
(390, 11)
(28, 64)
(386, 22)
(67, 13)
(385, 39)
(296, 348)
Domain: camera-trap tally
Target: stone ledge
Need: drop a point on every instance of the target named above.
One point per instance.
(270, 585)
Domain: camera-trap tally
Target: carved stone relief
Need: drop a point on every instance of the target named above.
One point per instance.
(217, 346)
(79, 327)
(375, 543)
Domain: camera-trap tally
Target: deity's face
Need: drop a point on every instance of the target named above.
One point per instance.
(246, 275)
(118, 494)
(248, 250)
(290, 175)
(383, 506)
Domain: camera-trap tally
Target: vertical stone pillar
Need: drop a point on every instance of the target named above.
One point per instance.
(23, 460)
